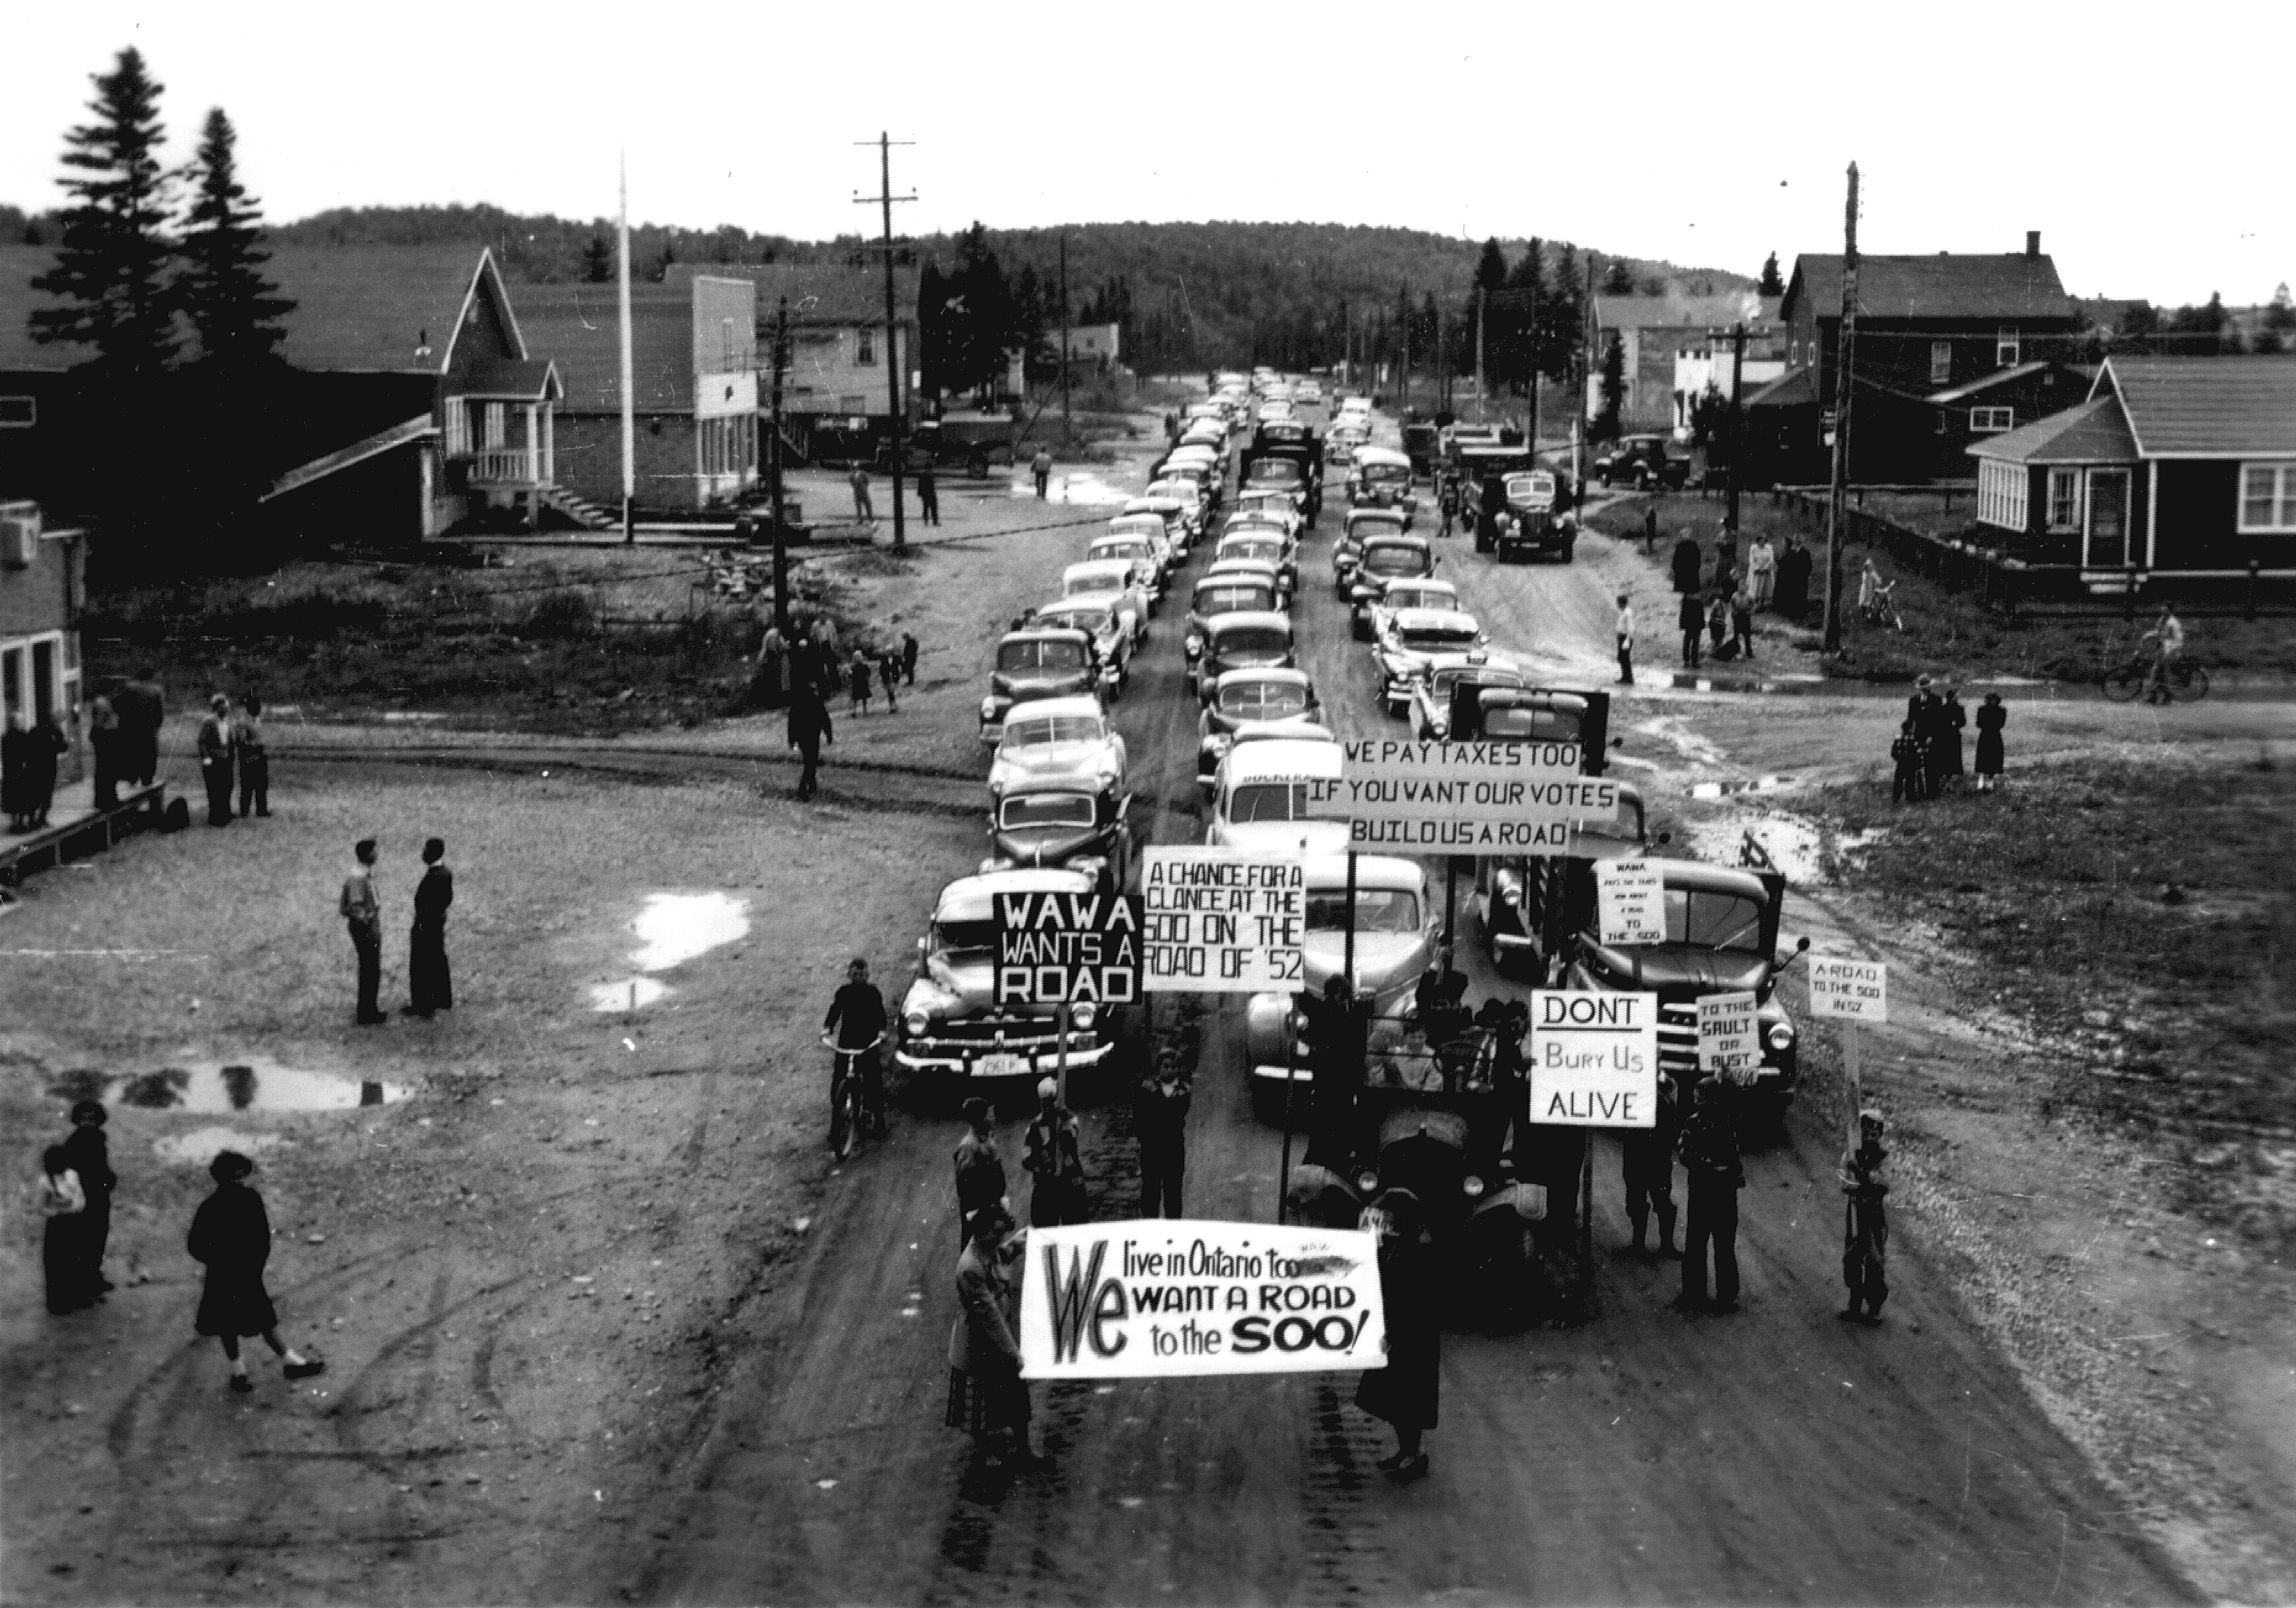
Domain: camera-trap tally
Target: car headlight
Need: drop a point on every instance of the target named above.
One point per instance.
(1084, 1012)
(1440, 728)
(988, 709)
(915, 1023)
(1471, 1186)
(1366, 1181)
(1195, 645)
(1782, 1036)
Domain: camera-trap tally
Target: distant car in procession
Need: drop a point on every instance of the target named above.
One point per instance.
(1261, 702)
(1039, 661)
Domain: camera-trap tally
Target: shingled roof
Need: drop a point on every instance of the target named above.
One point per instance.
(577, 328)
(2094, 432)
(2205, 407)
(2011, 286)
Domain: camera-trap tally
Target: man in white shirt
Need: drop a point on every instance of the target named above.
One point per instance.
(1625, 629)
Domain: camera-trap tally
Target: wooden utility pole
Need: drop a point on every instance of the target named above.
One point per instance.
(1737, 432)
(773, 473)
(885, 198)
(1583, 371)
(1482, 322)
(1405, 376)
(1844, 356)
(1068, 426)
(629, 405)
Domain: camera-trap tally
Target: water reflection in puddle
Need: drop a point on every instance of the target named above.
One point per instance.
(1729, 789)
(672, 929)
(212, 1088)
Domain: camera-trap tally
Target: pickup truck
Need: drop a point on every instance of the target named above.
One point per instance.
(1534, 526)
(1643, 461)
(975, 440)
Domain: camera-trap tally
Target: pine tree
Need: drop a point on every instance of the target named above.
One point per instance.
(598, 262)
(1614, 391)
(1618, 279)
(111, 261)
(234, 306)
(1770, 284)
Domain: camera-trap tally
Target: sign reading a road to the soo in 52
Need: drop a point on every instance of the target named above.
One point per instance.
(1475, 798)
(1594, 1058)
(1729, 1035)
(1221, 921)
(1067, 949)
(1630, 902)
(1169, 1295)
(1852, 991)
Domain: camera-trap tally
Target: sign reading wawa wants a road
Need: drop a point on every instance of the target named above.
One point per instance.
(1073, 948)
(1170, 1295)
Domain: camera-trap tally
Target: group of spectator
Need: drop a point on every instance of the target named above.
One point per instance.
(123, 732)
(1927, 751)
(1721, 605)
(804, 670)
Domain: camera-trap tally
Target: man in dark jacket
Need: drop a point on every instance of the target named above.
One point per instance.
(91, 1158)
(215, 759)
(980, 1166)
(1338, 1029)
(142, 705)
(1159, 1117)
(1689, 565)
(1648, 1156)
(1052, 1154)
(809, 726)
(1865, 1232)
(1709, 1159)
(430, 986)
(857, 1015)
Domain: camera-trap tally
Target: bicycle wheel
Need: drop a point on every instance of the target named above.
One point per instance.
(2189, 685)
(2123, 683)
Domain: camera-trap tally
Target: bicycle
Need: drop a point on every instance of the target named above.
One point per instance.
(2184, 681)
(845, 1096)
(1882, 609)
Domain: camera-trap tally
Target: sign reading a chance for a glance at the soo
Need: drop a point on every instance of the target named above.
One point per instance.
(1221, 921)
(1067, 949)
(1469, 798)
(1170, 1295)
(1594, 1058)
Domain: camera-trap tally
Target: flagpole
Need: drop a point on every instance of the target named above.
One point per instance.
(629, 410)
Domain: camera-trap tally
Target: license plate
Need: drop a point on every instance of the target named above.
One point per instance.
(1002, 1066)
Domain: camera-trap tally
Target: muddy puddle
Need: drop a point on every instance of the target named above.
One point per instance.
(215, 1089)
(1083, 491)
(1731, 789)
(672, 929)
(200, 1146)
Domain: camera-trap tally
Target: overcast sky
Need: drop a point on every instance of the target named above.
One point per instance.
(2151, 145)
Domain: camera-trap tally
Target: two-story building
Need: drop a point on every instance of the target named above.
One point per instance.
(1674, 346)
(1949, 348)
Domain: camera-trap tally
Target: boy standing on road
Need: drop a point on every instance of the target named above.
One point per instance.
(1052, 1154)
(927, 494)
(363, 913)
(1160, 1116)
(254, 762)
(1626, 630)
(1709, 1160)
(1041, 468)
(1690, 617)
(1865, 1232)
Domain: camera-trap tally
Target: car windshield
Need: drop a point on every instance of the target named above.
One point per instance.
(1058, 728)
(1377, 910)
(1386, 474)
(1092, 620)
(965, 942)
(1365, 530)
(1415, 596)
(1046, 810)
(1128, 547)
(1482, 675)
(1272, 472)
(1084, 585)
(1268, 800)
(1395, 559)
(1231, 598)
(1530, 724)
(1712, 919)
(1252, 639)
(1041, 653)
(1271, 550)
(1263, 700)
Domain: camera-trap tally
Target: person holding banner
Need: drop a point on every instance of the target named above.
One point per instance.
(987, 1396)
(1648, 1156)
(980, 1168)
(1865, 1232)
(1052, 1154)
(1709, 1158)
(1408, 1390)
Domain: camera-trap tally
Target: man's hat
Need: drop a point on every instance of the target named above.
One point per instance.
(1871, 1115)
(977, 1111)
(1047, 1088)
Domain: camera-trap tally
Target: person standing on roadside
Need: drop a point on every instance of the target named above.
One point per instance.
(1742, 620)
(1717, 621)
(1793, 580)
(980, 1181)
(771, 687)
(1040, 469)
(362, 912)
(1649, 529)
(1338, 1035)
(1905, 754)
(1688, 564)
(1708, 1144)
(987, 1396)
(888, 677)
(230, 1238)
(1952, 721)
(1160, 1118)
(103, 741)
(1690, 617)
(16, 773)
(1991, 717)
(215, 759)
(1866, 1230)
(1647, 1162)
(1447, 502)
(90, 1156)
(1052, 1154)
(1762, 571)
(928, 493)
(1625, 627)
(62, 1204)
(909, 658)
(429, 985)
(857, 676)
(809, 726)
(45, 745)
(1407, 1392)
(254, 762)
(143, 706)
(862, 508)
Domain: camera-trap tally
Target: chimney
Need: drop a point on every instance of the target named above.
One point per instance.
(2032, 242)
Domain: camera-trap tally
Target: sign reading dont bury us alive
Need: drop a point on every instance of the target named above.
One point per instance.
(1174, 1295)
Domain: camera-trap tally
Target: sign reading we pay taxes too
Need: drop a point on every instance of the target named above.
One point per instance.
(1477, 798)
(1221, 921)
(1849, 990)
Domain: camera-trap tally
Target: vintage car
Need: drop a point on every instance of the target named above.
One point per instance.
(1144, 552)
(1396, 925)
(1544, 715)
(1257, 543)
(1525, 903)
(1415, 638)
(1063, 820)
(1243, 640)
(1275, 505)
(1362, 523)
(1180, 516)
(1418, 593)
(1189, 494)
(1259, 796)
(1040, 661)
(1307, 390)
(950, 1025)
(1380, 478)
(1111, 634)
(1642, 462)
(1296, 467)
(1066, 737)
(1534, 526)
(1446, 678)
(1269, 569)
(1385, 559)
(1114, 579)
(1421, 445)
(1266, 700)
(1217, 595)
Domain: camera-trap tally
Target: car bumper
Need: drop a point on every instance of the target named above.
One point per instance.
(991, 1066)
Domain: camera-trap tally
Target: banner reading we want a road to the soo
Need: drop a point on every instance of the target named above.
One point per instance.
(1171, 1296)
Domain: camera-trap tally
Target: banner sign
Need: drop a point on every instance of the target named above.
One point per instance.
(1222, 922)
(1074, 949)
(1171, 1297)
(1462, 797)
(1729, 1035)
(1852, 991)
(1594, 1058)
(1630, 902)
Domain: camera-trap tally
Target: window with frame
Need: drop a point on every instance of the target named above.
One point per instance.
(2268, 497)
(2002, 494)
(729, 353)
(2006, 346)
(2064, 499)
(18, 413)
(864, 347)
(1991, 422)
(1940, 362)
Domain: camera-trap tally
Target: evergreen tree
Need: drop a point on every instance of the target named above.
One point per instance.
(112, 258)
(598, 262)
(1614, 391)
(1566, 313)
(235, 308)
(1770, 284)
(1618, 279)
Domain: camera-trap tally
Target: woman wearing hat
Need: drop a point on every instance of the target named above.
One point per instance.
(231, 1234)
(987, 1396)
(90, 1157)
(1408, 1390)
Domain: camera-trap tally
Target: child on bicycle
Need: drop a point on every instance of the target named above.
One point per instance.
(2167, 641)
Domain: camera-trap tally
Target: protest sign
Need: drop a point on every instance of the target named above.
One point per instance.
(1729, 1035)
(1630, 902)
(1492, 797)
(1850, 990)
(1067, 949)
(1221, 921)
(1170, 1296)
(1594, 1058)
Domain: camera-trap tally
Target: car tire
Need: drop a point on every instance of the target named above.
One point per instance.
(1569, 548)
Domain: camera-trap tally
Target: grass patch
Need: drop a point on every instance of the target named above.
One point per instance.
(2139, 915)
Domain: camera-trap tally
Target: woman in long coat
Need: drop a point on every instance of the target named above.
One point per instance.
(63, 1205)
(15, 764)
(231, 1234)
(986, 1395)
(1406, 1391)
(1991, 717)
(430, 980)
(1952, 721)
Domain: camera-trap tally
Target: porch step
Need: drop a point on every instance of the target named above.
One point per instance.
(584, 512)
(796, 442)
